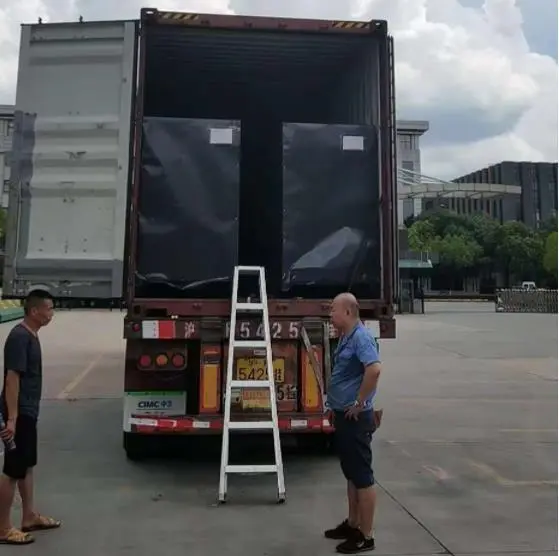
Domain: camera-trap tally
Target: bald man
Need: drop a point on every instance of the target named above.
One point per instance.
(355, 374)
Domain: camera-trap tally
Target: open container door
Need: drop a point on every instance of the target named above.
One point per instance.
(71, 154)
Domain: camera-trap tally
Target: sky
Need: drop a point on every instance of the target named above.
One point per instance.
(483, 72)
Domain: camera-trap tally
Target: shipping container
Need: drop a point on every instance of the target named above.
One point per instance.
(66, 222)
(156, 155)
(266, 142)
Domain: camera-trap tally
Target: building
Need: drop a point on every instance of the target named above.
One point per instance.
(418, 192)
(409, 159)
(6, 127)
(537, 201)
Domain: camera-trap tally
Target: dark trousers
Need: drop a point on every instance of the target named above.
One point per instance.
(19, 461)
(353, 442)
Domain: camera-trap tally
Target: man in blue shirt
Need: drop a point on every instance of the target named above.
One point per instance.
(353, 384)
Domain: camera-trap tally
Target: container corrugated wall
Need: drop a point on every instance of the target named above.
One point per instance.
(69, 181)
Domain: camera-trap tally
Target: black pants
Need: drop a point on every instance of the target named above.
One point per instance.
(19, 461)
(353, 442)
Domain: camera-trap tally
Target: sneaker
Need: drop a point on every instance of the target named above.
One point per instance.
(342, 532)
(356, 544)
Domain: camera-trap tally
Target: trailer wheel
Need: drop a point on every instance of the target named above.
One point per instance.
(136, 446)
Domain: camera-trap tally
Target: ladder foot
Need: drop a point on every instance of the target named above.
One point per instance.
(281, 499)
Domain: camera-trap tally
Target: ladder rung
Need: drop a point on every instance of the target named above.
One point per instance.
(249, 269)
(250, 384)
(251, 425)
(250, 306)
(250, 344)
(251, 468)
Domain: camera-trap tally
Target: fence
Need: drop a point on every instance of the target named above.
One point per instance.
(526, 301)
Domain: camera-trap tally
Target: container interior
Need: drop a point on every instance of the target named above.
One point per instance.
(263, 79)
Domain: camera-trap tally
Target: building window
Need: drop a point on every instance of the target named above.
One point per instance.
(405, 142)
(6, 187)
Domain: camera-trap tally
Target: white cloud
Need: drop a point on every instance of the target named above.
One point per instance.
(470, 71)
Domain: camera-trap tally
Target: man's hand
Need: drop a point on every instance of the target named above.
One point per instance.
(9, 430)
(353, 411)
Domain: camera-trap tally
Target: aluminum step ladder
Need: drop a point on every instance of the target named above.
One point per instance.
(260, 308)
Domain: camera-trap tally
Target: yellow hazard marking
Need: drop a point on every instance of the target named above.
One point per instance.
(178, 16)
(350, 25)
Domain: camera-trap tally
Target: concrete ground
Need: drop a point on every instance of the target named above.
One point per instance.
(466, 458)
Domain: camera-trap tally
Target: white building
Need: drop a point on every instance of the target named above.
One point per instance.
(409, 158)
(6, 128)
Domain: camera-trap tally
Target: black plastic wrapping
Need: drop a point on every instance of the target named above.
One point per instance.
(331, 226)
(188, 207)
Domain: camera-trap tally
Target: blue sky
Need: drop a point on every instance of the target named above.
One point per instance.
(483, 72)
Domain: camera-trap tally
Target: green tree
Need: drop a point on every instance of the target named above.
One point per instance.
(548, 226)
(449, 235)
(550, 254)
(458, 251)
(422, 236)
(486, 231)
(519, 250)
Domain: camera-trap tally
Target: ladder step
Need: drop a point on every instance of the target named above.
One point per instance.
(249, 269)
(250, 344)
(251, 468)
(251, 425)
(250, 384)
(250, 306)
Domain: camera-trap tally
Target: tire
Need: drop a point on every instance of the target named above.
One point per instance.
(136, 446)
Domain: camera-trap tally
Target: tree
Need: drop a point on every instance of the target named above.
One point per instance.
(449, 235)
(550, 254)
(519, 250)
(422, 236)
(548, 226)
(458, 251)
(486, 231)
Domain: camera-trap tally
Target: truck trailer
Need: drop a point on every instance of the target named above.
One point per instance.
(151, 157)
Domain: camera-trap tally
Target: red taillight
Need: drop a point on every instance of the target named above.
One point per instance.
(136, 327)
(178, 360)
(144, 361)
(161, 360)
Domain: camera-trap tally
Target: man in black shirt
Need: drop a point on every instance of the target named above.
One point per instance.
(21, 396)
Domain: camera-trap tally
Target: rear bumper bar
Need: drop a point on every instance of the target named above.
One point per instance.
(292, 423)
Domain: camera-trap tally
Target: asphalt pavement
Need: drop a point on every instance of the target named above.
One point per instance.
(466, 458)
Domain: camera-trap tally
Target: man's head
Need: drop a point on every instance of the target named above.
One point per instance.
(39, 308)
(344, 312)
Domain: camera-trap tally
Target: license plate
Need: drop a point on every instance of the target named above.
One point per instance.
(254, 368)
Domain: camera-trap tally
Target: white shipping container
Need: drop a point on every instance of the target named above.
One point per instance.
(70, 163)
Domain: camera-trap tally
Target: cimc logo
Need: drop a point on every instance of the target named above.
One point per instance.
(155, 404)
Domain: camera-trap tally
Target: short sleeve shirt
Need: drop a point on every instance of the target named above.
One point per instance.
(22, 354)
(355, 351)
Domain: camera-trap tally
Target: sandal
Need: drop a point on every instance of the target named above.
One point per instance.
(15, 536)
(42, 523)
